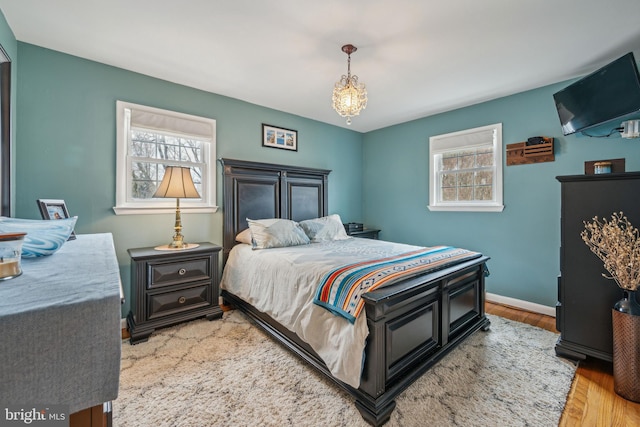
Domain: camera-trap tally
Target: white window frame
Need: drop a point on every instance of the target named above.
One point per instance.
(171, 125)
(459, 141)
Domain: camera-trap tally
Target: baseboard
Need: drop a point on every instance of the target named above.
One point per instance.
(524, 305)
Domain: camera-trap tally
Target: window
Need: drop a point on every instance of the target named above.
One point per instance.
(148, 140)
(466, 170)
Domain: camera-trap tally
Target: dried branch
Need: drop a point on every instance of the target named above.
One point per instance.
(617, 244)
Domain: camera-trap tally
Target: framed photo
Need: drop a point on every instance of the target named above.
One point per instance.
(54, 209)
(275, 137)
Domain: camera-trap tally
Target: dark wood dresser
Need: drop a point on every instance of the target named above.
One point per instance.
(170, 287)
(585, 297)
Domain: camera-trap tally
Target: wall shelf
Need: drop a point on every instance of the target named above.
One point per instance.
(522, 154)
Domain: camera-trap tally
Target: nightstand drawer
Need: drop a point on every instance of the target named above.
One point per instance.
(169, 303)
(172, 273)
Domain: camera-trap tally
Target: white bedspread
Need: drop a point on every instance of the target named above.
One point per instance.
(282, 282)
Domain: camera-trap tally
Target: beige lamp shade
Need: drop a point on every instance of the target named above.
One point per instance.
(177, 183)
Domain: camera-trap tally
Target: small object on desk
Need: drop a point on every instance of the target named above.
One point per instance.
(10, 251)
(54, 209)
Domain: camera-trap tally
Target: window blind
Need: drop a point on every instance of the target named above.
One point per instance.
(464, 139)
(175, 125)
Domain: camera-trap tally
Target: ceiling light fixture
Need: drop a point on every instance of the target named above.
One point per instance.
(349, 96)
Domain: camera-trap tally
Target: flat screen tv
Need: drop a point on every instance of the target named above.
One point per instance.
(609, 93)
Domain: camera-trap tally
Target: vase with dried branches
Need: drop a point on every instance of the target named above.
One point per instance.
(617, 243)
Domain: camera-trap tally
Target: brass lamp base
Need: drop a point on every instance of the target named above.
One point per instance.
(178, 242)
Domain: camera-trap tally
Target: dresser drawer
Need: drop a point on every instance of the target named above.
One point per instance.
(168, 303)
(172, 273)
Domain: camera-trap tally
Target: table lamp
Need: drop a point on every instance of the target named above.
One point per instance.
(177, 183)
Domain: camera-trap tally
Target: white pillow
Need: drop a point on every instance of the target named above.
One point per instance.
(276, 233)
(325, 228)
(244, 236)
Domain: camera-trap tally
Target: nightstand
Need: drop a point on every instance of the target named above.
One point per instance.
(366, 233)
(172, 286)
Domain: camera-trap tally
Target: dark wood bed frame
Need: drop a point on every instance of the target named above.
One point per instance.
(412, 324)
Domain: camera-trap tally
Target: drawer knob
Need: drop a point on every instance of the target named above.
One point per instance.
(181, 300)
(182, 271)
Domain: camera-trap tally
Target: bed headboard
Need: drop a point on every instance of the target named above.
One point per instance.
(261, 190)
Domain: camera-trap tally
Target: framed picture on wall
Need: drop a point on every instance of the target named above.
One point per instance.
(275, 137)
(54, 209)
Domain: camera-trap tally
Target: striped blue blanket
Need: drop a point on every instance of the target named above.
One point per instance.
(340, 291)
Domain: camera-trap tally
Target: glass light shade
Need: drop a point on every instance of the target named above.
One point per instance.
(349, 97)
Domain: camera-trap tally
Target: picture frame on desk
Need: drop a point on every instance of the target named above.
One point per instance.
(54, 209)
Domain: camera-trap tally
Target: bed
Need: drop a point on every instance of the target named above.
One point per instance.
(409, 325)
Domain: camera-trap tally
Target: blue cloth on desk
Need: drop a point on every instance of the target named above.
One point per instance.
(60, 331)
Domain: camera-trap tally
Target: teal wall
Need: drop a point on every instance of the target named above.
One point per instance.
(10, 45)
(66, 147)
(523, 241)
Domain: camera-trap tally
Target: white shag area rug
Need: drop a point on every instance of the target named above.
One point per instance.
(228, 372)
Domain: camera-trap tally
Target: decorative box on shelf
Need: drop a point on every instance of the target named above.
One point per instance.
(615, 166)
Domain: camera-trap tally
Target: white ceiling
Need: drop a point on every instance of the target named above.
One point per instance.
(416, 57)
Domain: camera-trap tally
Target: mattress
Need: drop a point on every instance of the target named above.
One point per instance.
(282, 283)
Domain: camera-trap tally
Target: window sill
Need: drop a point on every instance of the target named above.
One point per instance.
(163, 210)
(467, 208)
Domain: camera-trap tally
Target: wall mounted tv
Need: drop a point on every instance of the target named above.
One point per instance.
(609, 93)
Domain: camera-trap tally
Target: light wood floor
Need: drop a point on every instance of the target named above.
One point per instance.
(591, 401)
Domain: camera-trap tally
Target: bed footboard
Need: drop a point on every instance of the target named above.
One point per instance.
(412, 325)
